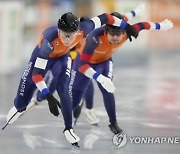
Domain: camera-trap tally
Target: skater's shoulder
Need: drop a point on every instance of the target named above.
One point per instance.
(98, 32)
(50, 33)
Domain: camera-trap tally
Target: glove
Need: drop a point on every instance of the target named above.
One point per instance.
(166, 25)
(139, 10)
(53, 104)
(131, 31)
(106, 83)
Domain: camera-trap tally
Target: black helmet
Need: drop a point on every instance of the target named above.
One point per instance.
(115, 29)
(84, 18)
(68, 22)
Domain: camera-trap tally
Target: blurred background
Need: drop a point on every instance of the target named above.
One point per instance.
(23, 21)
(146, 71)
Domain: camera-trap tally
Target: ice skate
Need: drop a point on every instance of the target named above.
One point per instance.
(71, 137)
(115, 129)
(91, 117)
(12, 116)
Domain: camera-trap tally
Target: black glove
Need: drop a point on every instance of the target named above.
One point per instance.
(131, 31)
(53, 104)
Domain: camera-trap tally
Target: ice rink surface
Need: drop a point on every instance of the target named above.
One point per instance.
(147, 103)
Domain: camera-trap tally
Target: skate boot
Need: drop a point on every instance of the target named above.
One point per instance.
(91, 116)
(115, 128)
(77, 111)
(13, 115)
(71, 137)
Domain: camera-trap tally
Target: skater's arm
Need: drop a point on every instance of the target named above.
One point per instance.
(85, 66)
(106, 82)
(88, 51)
(164, 25)
(40, 66)
(98, 21)
(38, 75)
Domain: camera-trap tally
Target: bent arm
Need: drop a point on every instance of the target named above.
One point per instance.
(40, 66)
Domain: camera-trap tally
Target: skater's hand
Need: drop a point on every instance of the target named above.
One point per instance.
(53, 104)
(131, 31)
(139, 10)
(166, 25)
(106, 83)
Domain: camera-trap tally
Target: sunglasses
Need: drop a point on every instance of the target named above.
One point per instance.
(68, 34)
(116, 32)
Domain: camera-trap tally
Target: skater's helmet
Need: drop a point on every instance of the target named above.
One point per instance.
(68, 22)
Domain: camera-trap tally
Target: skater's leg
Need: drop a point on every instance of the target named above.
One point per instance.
(61, 80)
(109, 103)
(78, 86)
(24, 93)
(61, 74)
(26, 89)
(89, 95)
(109, 99)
